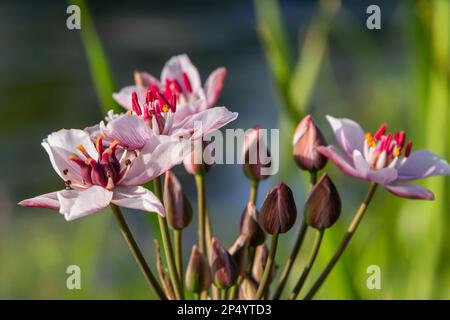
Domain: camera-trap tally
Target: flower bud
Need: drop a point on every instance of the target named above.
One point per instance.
(198, 274)
(178, 208)
(239, 252)
(323, 206)
(307, 138)
(195, 162)
(250, 226)
(223, 268)
(248, 288)
(256, 155)
(259, 264)
(278, 212)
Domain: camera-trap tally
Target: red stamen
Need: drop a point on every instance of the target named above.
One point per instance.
(163, 100)
(186, 82)
(150, 96)
(99, 145)
(177, 86)
(173, 103)
(387, 142)
(401, 139)
(135, 104)
(381, 131)
(408, 148)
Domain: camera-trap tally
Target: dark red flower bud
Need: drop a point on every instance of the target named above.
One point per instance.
(256, 155)
(323, 206)
(197, 161)
(178, 208)
(223, 268)
(278, 212)
(250, 226)
(198, 274)
(307, 138)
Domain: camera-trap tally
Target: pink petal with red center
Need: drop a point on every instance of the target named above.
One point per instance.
(406, 190)
(214, 85)
(137, 198)
(131, 130)
(421, 164)
(176, 66)
(348, 134)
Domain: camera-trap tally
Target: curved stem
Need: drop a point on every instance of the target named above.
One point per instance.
(134, 248)
(297, 246)
(253, 191)
(268, 269)
(168, 251)
(177, 239)
(347, 237)
(309, 264)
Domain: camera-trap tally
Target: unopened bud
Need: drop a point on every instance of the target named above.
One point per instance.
(323, 206)
(259, 265)
(307, 138)
(278, 212)
(198, 274)
(178, 208)
(256, 155)
(248, 288)
(250, 226)
(194, 162)
(223, 268)
(239, 252)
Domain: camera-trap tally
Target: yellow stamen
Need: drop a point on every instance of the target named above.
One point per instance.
(370, 140)
(137, 79)
(83, 151)
(165, 108)
(396, 152)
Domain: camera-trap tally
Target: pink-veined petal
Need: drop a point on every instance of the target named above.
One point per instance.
(130, 130)
(410, 191)
(123, 97)
(159, 154)
(348, 134)
(78, 204)
(342, 161)
(138, 198)
(176, 66)
(214, 85)
(48, 200)
(422, 164)
(147, 79)
(206, 121)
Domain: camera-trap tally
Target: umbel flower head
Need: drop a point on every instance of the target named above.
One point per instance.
(306, 139)
(256, 155)
(97, 174)
(177, 104)
(323, 205)
(278, 212)
(383, 158)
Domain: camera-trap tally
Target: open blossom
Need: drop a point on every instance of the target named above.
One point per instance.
(383, 158)
(97, 174)
(178, 102)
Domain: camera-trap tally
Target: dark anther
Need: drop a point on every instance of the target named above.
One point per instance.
(65, 171)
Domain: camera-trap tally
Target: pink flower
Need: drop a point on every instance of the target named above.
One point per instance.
(383, 158)
(172, 105)
(100, 173)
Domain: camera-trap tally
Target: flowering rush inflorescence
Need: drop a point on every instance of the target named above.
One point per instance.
(112, 162)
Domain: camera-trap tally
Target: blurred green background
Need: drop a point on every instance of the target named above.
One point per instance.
(285, 59)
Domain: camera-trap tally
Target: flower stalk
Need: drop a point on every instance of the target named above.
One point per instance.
(134, 248)
(344, 243)
(268, 269)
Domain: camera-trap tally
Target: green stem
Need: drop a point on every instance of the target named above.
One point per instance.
(347, 237)
(297, 246)
(200, 184)
(223, 294)
(134, 248)
(253, 191)
(168, 251)
(268, 269)
(196, 296)
(234, 289)
(177, 239)
(316, 246)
